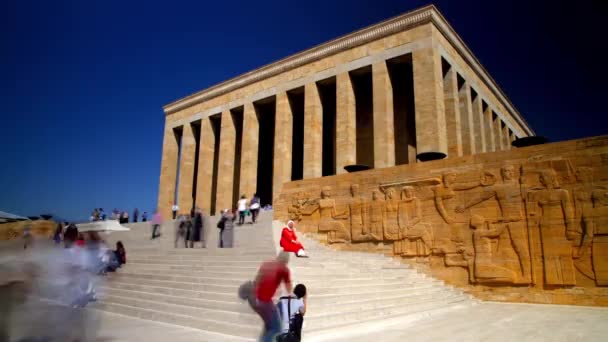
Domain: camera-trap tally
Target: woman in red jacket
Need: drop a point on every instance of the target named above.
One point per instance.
(289, 241)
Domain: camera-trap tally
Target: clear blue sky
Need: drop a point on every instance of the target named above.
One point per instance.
(83, 82)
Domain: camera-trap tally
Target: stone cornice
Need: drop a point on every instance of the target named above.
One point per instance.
(388, 27)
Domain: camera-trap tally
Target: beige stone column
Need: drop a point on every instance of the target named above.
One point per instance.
(283, 132)
(186, 169)
(506, 138)
(466, 120)
(313, 132)
(249, 151)
(489, 126)
(384, 126)
(168, 173)
(498, 140)
(431, 129)
(346, 123)
(204, 179)
(452, 113)
(225, 170)
(479, 127)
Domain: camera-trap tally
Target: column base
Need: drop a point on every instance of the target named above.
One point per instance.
(428, 156)
(356, 168)
(529, 141)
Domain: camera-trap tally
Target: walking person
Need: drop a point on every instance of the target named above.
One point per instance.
(157, 220)
(144, 216)
(182, 229)
(270, 276)
(292, 310)
(175, 209)
(135, 215)
(226, 226)
(254, 206)
(58, 233)
(242, 208)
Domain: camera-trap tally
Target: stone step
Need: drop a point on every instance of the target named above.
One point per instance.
(193, 261)
(177, 285)
(327, 321)
(367, 294)
(235, 317)
(247, 332)
(234, 304)
(378, 303)
(228, 296)
(202, 277)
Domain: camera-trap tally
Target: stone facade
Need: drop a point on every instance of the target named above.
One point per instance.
(443, 105)
(524, 225)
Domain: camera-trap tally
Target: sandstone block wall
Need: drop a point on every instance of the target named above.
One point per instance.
(523, 225)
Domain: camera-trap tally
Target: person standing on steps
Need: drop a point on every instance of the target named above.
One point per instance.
(135, 215)
(270, 276)
(196, 234)
(289, 241)
(254, 206)
(242, 207)
(144, 216)
(226, 226)
(292, 310)
(175, 209)
(157, 220)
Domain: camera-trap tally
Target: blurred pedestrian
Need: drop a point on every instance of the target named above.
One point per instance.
(157, 220)
(270, 276)
(27, 235)
(197, 233)
(135, 215)
(70, 235)
(58, 233)
(242, 208)
(175, 209)
(226, 227)
(182, 229)
(254, 206)
(144, 216)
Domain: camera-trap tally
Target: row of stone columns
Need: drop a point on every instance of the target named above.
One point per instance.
(448, 120)
(471, 128)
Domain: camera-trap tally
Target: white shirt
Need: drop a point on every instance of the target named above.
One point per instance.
(242, 204)
(175, 208)
(296, 306)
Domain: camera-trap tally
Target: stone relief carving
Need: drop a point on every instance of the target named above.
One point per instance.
(358, 228)
(416, 238)
(391, 223)
(492, 226)
(552, 210)
(377, 216)
(509, 197)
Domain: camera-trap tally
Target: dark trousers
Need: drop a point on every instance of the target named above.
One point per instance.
(174, 214)
(155, 233)
(242, 216)
(254, 214)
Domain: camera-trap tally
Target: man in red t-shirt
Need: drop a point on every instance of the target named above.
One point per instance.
(270, 276)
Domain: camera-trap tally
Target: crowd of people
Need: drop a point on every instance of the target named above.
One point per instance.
(121, 216)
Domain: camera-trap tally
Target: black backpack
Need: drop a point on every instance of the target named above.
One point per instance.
(295, 325)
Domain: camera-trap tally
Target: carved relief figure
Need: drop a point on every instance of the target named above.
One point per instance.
(391, 224)
(445, 193)
(487, 269)
(359, 231)
(377, 216)
(328, 223)
(600, 237)
(556, 232)
(508, 195)
(416, 237)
